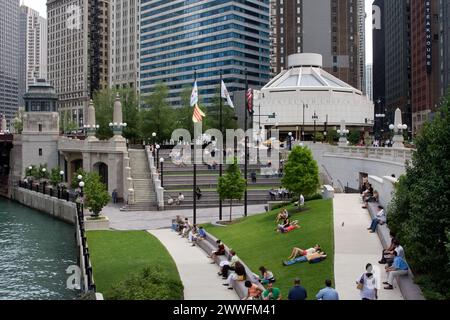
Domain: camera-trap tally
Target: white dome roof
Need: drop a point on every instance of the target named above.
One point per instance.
(307, 76)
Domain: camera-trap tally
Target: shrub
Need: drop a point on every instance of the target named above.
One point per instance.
(149, 284)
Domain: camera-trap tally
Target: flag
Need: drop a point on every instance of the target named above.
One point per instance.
(226, 95)
(198, 114)
(250, 100)
(194, 96)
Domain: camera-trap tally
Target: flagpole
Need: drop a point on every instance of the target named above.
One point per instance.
(221, 130)
(245, 152)
(195, 168)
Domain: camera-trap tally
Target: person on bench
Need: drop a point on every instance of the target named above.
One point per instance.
(178, 224)
(193, 235)
(186, 228)
(266, 276)
(387, 253)
(219, 252)
(226, 266)
(374, 198)
(297, 252)
(201, 234)
(239, 274)
(379, 219)
(253, 291)
(399, 268)
(399, 250)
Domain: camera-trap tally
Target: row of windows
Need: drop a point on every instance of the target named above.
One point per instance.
(42, 106)
(233, 44)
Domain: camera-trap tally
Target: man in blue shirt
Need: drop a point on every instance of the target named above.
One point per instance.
(297, 292)
(399, 268)
(328, 293)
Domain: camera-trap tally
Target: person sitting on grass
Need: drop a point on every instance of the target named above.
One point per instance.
(297, 252)
(253, 291)
(311, 258)
(219, 252)
(283, 215)
(266, 276)
(239, 274)
(271, 293)
(287, 226)
(379, 219)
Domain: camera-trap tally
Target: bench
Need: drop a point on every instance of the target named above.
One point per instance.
(408, 288)
(209, 245)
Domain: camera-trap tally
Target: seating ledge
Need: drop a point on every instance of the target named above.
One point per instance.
(408, 288)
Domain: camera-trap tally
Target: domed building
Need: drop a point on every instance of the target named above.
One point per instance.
(304, 93)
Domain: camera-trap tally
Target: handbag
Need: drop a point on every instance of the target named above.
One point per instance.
(360, 284)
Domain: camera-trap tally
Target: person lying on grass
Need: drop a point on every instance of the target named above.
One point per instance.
(282, 215)
(297, 252)
(311, 258)
(287, 226)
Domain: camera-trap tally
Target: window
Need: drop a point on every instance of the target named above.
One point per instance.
(40, 127)
(40, 152)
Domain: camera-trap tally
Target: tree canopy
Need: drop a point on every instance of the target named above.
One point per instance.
(231, 185)
(96, 193)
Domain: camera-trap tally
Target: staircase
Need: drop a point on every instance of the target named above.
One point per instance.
(144, 193)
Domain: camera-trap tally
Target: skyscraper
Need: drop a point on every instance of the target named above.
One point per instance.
(181, 37)
(425, 66)
(78, 53)
(333, 28)
(369, 81)
(124, 50)
(379, 57)
(33, 49)
(444, 37)
(9, 58)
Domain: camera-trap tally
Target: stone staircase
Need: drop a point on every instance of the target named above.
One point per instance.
(144, 193)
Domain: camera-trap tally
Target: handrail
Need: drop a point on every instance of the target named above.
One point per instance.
(342, 186)
(328, 174)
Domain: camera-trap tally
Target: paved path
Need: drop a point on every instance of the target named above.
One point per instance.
(149, 220)
(199, 277)
(355, 247)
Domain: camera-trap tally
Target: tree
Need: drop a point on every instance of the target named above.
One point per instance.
(75, 180)
(55, 177)
(354, 137)
(231, 185)
(183, 115)
(131, 114)
(96, 193)
(301, 172)
(32, 173)
(212, 120)
(158, 115)
(104, 106)
(66, 122)
(419, 210)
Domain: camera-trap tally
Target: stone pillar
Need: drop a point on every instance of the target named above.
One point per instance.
(3, 124)
(91, 126)
(398, 140)
(343, 134)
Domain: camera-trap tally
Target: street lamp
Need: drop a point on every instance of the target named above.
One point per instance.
(162, 172)
(157, 147)
(315, 117)
(290, 141)
(81, 184)
(380, 116)
(44, 182)
(303, 127)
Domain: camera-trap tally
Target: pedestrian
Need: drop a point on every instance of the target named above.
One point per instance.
(327, 293)
(198, 193)
(297, 292)
(114, 196)
(368, 284)
(253, 176)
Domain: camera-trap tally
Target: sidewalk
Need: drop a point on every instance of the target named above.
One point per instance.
(199, 277)
(355, 247)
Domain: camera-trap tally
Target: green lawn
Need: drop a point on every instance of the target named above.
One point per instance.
(256, 242)
(117, 254)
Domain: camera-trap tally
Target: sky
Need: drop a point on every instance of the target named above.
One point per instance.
(40, 6)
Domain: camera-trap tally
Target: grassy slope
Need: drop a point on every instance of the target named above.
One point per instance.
(256, 242)
(116, 254)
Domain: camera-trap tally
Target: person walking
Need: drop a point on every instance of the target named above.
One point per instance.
(297, 292)
(368, 284)
(327, 293)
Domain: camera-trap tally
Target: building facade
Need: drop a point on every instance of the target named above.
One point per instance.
(397, 35)
(444, 40)
(33, 49)
(78, 53)
(335, 29)
(9, 58)
(124, 49)
(425, 66)
(179, 38)
(379, 56)
(369, 81)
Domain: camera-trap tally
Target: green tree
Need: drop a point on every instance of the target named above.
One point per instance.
(43, 172)
(131, 114)
(301, 172)
(96, 193)
(231, 185)
(354, 137)
(32, 173)
(104, 106)
(75, 181)
(18, 121)
(55, 177)
(66, 123)
(183, 115)
(158, 115)
(212, 119)
(319, 136)
(419, 211)
(332, 136)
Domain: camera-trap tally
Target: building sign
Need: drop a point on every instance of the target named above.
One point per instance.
(428, 35)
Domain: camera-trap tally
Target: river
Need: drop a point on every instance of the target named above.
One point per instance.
(35, 251)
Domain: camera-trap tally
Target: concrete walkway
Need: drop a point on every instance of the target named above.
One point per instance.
(199, 277)
(355, 247)
(149, 220)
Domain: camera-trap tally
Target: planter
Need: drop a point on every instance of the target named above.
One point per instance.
(96, 223)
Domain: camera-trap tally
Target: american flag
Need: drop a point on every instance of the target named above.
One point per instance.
(250, 100)
(198, 114)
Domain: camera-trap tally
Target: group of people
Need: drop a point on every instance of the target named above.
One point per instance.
(311, 255)
(187, 230)
(368, 194)
(178, 200)
(284, 224)
(280, 194)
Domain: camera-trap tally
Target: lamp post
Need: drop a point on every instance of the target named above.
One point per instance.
(44, 182)
(380, 116)
(290, 141)
(303, 127)
(60, 187)
(315, 117)
(157, 147)
(161, 161)
(81, 184)
(154, 143)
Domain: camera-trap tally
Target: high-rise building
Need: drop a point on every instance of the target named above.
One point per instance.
(425, 66)
(78, 53)
(124, 50)
(33, 49)
(397, 35)
(369, 81)
(180, 37)
(9, 58)
(444, 38)
(379, 59)
(333, 28)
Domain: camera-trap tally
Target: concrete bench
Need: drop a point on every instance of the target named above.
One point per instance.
(209, 245)
(408, 288)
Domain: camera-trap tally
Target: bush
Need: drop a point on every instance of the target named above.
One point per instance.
(149, 284)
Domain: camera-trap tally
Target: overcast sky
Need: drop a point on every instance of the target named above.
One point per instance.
(42, 8)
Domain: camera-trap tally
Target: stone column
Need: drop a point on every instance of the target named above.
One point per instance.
(343, 134)
(3, 124)
(91, 122)
(398, 140)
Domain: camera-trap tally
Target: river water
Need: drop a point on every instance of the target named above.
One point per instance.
(35, 251)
